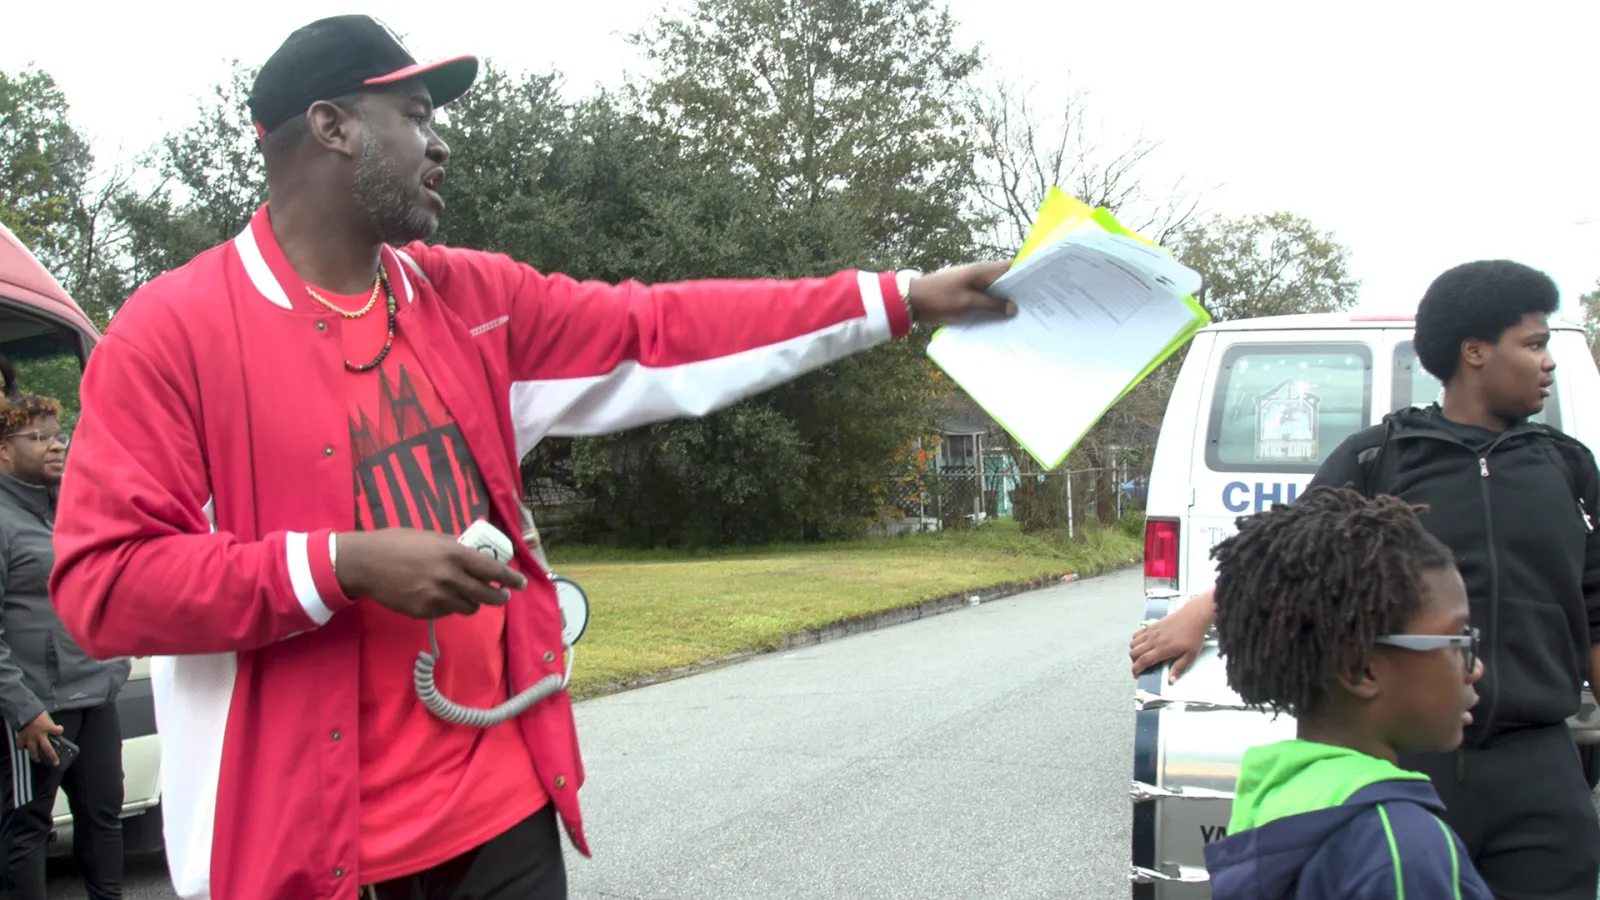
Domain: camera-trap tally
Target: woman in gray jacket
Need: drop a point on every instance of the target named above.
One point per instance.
(50, 689)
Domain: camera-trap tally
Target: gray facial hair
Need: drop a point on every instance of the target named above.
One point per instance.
(390, 205)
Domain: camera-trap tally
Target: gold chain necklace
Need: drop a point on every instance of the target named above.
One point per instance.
(377, 282)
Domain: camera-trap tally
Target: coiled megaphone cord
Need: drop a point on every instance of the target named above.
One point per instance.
(451, 711)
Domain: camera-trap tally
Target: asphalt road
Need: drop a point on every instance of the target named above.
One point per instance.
(144, 877)
(981, 753)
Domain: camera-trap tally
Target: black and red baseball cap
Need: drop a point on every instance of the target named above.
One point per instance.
(339, 55)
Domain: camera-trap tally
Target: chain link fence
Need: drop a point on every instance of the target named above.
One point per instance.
(1062, 498)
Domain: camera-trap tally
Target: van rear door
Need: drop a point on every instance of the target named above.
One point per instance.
(1274, 404)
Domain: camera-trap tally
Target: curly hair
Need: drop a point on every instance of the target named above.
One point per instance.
(1304, 590)
(18, 410)
(1477, 300)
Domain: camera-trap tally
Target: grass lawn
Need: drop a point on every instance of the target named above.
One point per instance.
(655, 611)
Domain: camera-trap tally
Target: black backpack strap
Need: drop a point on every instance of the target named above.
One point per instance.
(1377, 464)
(1576, 463)
(1559, 457)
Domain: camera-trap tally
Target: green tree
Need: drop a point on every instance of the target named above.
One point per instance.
(53, 376)
(50, 196)
(212, 180)
(51, 199)
(590, 190)
(727, 478)
(838, 132)
(1267, 265)
(1590, 304)
(1263, 265)
(502, 135)
(845, 112)
(44, 166)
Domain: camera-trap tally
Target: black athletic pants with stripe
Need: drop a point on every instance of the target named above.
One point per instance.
(93, 785)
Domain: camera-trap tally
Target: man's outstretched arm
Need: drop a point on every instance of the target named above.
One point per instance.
(588, 357)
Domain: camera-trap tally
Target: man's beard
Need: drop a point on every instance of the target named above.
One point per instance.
(389, 204)
(33, 472)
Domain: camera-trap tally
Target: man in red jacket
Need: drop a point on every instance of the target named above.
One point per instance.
(281, 442)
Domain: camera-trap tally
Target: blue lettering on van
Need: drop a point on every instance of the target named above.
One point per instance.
(1239, 497)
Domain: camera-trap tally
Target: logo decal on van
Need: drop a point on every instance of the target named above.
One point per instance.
(1286, 423)
(1236, 495)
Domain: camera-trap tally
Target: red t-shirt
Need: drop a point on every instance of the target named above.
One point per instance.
(430, 790)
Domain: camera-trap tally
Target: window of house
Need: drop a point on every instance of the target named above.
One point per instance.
(959, 450)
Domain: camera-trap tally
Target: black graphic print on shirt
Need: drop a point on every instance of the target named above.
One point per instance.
(413, 468)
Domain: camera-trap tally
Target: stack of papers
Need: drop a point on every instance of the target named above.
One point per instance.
(1098, 309)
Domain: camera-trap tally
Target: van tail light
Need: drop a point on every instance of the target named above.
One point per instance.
(1161, 554)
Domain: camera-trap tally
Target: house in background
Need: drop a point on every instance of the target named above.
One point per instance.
(961, 434)
(973, 450)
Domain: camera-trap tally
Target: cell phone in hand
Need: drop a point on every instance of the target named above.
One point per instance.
(66, 751)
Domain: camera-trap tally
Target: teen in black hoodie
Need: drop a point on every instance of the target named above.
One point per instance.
(1513, 502)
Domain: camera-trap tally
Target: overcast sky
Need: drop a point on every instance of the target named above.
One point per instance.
(1422, 133)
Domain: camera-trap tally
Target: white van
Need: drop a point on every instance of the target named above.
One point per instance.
(1318, 379)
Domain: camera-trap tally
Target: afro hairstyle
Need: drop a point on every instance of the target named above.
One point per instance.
(1477, 300)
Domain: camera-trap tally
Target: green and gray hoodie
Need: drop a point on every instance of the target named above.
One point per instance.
(1313, 821)
(42, 669)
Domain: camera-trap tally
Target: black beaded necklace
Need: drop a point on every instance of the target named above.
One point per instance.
(388, 342)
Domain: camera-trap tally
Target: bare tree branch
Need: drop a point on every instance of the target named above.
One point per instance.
(1024, 151)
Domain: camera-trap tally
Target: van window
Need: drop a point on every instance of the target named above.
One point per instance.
(1283, 407)
(47, 365)
(1413, 386)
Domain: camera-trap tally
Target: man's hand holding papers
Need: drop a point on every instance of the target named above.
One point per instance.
(1096, 311)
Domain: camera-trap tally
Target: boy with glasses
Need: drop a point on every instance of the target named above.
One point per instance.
(1346, 614)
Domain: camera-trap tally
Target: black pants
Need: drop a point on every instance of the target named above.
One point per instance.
(524, 863)
(93, 785)
(1523, 809)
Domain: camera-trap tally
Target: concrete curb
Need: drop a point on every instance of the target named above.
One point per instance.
(855, 625)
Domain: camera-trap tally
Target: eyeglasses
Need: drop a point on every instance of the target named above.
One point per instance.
(1467, 642)
(39, 437)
